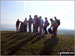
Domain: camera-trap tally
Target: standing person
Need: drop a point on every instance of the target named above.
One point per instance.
(30, 22)
(21, 27)
(58, 23)
(53, 25)
(25, 25)
(41, 24)
(17, 25)
(45, 25)
(34, 24)
(37, 23)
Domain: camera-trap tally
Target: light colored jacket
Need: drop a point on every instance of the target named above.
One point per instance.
(53, 23)
(41, 22)
(34, 21)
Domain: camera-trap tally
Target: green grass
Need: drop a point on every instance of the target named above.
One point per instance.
(31, 44)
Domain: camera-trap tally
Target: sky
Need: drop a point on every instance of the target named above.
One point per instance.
(63, 10)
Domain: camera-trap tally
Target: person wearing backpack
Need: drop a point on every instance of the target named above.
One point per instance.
(58, 23)
(53, 26)
(46, 24)
(57, 20)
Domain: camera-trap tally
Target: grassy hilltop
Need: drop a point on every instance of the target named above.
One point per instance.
(13, 43)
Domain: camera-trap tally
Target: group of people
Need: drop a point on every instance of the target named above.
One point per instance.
(39, 26)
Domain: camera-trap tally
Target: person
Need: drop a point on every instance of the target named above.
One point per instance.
(17, 25)
(41, 24)
(25, 25)
(30, 22)
(22, 27)
(53, 25)
(34, 24)
(45, 25)
(58, 23)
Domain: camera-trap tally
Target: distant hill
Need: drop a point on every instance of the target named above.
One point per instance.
(60, 30)
(13, 43)
(66, 32)
(9, 27)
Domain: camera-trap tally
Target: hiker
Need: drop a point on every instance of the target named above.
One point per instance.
(30, 22)
(22, 27)
(53, 25)
(34, 24)
(17, 25)
(25, 25)
(41, 24)
(45, 25)
(58, 23)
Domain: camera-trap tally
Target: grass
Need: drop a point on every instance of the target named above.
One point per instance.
(13, 43)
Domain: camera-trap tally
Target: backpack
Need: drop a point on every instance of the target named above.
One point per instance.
(58, 22)
(47, 24)
(50, 30)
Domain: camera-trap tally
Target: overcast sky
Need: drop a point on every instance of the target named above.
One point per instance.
(63, 10)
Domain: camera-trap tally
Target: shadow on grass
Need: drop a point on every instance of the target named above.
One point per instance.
(38, 39)
(13, 36)
(17, 47)
(8, 36)
(49, 45)
(18, 38)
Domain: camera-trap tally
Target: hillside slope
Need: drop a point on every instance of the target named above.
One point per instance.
(13, 43)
